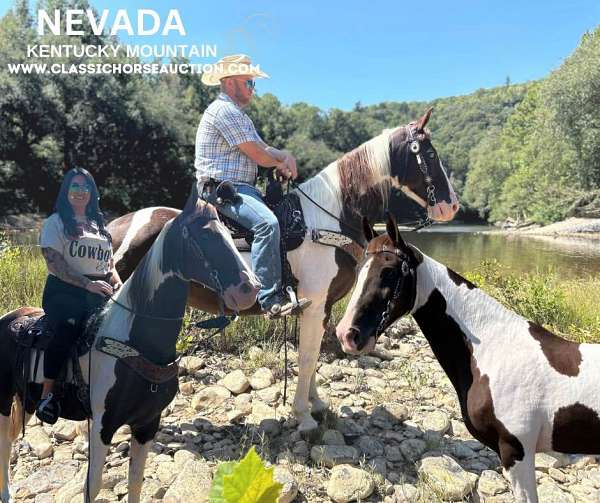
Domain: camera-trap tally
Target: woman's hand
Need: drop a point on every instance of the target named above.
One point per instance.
(100, 287)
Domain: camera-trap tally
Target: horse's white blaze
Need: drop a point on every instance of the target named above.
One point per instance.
(140, 218)
(357, 293)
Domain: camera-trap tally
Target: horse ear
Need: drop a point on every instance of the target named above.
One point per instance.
(192, 200)
(392, 229)
(367, 229)
(394, 234)
(422, 122)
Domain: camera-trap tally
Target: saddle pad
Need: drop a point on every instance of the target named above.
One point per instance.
(155, 374)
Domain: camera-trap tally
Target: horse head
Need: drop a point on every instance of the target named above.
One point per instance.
(417, 170)
(207, 255)
(385, 290)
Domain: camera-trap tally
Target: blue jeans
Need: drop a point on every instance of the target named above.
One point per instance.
(252, 213)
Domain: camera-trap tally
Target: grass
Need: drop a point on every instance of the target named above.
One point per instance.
(568, 307)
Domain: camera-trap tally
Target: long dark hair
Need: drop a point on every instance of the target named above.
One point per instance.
(63, 207)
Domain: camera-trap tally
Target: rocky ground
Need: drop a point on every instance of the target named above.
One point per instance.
(394, 434)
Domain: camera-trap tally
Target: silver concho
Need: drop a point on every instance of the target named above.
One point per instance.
(415, 147)
(405, 269)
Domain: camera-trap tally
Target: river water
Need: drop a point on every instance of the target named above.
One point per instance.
(464, 247)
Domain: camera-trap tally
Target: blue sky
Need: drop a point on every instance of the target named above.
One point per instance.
(335, 53)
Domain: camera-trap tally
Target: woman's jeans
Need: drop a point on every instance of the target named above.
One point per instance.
(67, 307)
(253, 213)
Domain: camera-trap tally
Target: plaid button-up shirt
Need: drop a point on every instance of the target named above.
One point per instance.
(222, 128)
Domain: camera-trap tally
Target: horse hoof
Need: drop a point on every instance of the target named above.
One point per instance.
(319, 409)
(308, 428)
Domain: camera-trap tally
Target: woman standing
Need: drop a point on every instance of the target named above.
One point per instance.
(78, 252)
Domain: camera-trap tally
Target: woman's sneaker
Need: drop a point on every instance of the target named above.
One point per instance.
(48, 409)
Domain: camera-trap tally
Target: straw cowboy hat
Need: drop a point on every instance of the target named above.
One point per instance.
(236, 64)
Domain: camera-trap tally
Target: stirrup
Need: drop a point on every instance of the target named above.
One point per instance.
(293, 307)
(48, 409)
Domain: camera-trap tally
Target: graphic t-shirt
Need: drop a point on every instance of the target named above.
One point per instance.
(87, 254)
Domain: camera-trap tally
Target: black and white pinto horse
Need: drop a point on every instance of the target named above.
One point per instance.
(356, 184)
(146, 314)
(521, 388)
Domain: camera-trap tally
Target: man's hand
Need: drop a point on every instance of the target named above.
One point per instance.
(287, 168)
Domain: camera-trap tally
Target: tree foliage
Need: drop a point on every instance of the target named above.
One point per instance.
(520, 151)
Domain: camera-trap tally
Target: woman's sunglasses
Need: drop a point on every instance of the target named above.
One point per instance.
(76, 187)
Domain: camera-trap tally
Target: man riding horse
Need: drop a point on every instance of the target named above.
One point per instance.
(229, 149)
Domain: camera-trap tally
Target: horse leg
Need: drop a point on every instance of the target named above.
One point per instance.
(5, 447)
(141, 441)
(520, 473)
(311, 334)
(97, 455)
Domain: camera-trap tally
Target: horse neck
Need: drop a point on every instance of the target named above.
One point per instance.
(157, 298)
(366, 171)
(457, 319)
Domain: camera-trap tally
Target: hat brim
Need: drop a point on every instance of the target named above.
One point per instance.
(214, 78)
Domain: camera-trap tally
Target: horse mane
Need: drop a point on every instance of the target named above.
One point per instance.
(364, 172)
(360, 179)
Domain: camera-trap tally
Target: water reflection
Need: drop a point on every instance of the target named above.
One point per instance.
(462, 251)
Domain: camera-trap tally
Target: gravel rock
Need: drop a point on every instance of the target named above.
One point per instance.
(40, 442)
(491, 483)
(387, 415)
(332, 455)
(413, 448)
(236, 382)
(446, 476)
(210, 396)
(349, 484)
(64, 430)
(371, 447)
(262, 378)
(191, 364)
(436, 423)
(549, 492)
(405, 493)
(192, 484)
(290, 486)
(332, 437)
(545, 460)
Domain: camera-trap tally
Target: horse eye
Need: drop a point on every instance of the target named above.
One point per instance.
(386, 273)
(431, 154)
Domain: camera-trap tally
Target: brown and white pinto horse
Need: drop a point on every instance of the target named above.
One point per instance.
(146, 314)
(521, 388)
(357, 184)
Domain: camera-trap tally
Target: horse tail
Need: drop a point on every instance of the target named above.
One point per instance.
(16, 419)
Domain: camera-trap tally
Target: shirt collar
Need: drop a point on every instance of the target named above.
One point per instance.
(225, 97)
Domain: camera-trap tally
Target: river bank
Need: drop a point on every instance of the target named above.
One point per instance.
(578, 227)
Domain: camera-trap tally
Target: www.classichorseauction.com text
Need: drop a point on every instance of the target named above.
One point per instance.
(144, 23)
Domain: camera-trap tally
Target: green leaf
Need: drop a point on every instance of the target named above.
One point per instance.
(216, 490)
(251, 482)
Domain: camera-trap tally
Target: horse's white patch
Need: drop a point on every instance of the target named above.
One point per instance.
(357, 293)
(140, 218)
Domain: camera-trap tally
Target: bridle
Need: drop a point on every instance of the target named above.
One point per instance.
(405, 271)
(414, 146)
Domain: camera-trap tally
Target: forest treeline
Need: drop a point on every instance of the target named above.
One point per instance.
(522, 151)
